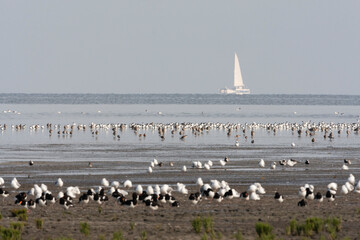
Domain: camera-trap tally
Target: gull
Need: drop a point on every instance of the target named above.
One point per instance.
(273, 165)
(262, 163)
(15, 184)
(199, 182)
(351, 179)
(139, 189)
(222, 162)
(127, 184)
(104, 182)
(59, 182)
(1, 181)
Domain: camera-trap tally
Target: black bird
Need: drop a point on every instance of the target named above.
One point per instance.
(175, 204)
(84, 198)
(302, 203)
(278, 197)
(307, 162)
(31, 162)
(330, 196)
(244, 195)
(319, 197)
(347, 161)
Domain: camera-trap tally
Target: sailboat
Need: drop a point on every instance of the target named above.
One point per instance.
(239, 87)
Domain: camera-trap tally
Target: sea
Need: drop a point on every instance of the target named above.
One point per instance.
(129, 155)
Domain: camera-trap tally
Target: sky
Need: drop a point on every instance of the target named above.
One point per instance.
(187, 46)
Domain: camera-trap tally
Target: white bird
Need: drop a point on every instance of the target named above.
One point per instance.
(150, 170)
(15, 184)
(44, 188)
(183, 169)
(262, 163)
(260, 189)
(31, 192)
(60, 195)
(215, 184)
(206, 166)
(127, 184)
(222, 162)
(332, 187)
(351, 179)
(302, 192)
(149, 190)
(344, 190)
(210, 163)
(165, 189)
(237, 143)
(224, 184)
(104, 182)
(37, 191)
(182, 188)
(349, 186)
(291, 162)
(199, 182)
(345, 167)
(273, 165)
(152, 164)
(139, 189)
(59, 182)
(70, 191)
(222, 192)
(254, 196)
(252, 188)
(157, 189)
(155, 162)
(1, 181)
(292, 144)
(236, 194)
(115, 184)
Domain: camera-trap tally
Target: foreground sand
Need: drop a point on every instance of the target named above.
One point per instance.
(167, 222)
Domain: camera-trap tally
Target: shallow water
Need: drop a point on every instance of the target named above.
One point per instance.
(129, 157)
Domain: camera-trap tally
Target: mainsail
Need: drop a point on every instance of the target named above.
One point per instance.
(238, 81)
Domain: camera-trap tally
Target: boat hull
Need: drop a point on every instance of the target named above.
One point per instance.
(240, 91)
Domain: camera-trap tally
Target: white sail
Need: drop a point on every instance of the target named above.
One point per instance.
(238, 82)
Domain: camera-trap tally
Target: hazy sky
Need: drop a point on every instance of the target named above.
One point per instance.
(187, 46)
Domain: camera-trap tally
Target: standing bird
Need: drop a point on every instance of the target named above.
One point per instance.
(104, 182)
(59, 182)
(262, 163)
(278, 197)
(15, 184)
(31, 162)
(319, 197)
(273, 165)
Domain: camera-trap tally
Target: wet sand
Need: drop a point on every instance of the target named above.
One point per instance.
(70, 162)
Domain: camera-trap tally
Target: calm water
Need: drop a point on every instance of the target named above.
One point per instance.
(83, 146)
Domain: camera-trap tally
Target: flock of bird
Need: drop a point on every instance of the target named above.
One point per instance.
(328, 130)
(155, 197)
